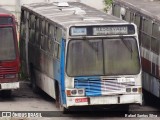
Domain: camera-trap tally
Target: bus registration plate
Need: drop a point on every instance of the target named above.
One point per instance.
(79, 100)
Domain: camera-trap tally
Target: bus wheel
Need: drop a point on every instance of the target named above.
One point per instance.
(58, 100)
(33, 80)
(6, 93)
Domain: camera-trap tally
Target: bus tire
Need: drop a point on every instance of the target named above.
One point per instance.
(33, 80)
(58, 100)
(6, 93)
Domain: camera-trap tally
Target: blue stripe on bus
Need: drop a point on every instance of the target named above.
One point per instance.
(91, 84)
(62, 71)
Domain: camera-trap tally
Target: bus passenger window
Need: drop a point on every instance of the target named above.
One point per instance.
(46, 29)
(56, 50)
(42, 42)
(116, 11)
(155, 45)
(51, 31)
(137, 20)
(156, 29)
(147, 26)
(59, 35)
(127, 16)
(43, 27)
(146, 41)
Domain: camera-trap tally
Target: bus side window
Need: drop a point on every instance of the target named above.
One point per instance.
(116, 10)
(50, 42)
(43, 34)
(43, 27)
(146, 33)
(127, 16)
(23, 25)
(38, 35)
(46, 38)
(51, 38)
(51, 31)
(137, 20)
(32, 28)
(23, 16)
(132, 17)
(155, 38)
(56, 50)
(59, 35)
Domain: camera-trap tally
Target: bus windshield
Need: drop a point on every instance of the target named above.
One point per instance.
(7, 46)
(118, 56)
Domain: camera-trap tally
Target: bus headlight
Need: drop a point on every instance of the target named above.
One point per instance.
(134, 90)
(75, 92)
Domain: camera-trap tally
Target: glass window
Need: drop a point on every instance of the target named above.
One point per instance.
(23, 31)
(155, 45)
(127, 16)
(97, 57)
(123, 59)
(37, 24)
(137, 20)
(147, 26)
(22, 16)
(146, 41)
(116, 10)
(46, 29)
(56, 50)
(42, 42)
(38, 38)
(85, 57)
(51, 31)
(32, 35)
(132, 17)
(43, 27)
(49, 44)
(59, 35)
(7, 46)
(156, 31)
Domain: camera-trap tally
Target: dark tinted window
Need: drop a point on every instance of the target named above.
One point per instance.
(7, 47)
(6, 20)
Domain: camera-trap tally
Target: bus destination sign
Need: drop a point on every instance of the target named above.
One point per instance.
(110, 30)
(102, 30)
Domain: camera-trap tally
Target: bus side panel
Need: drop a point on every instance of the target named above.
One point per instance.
(59, 73)
(150, 60)
(62, 66)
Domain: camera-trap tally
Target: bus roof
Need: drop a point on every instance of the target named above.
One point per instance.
(150, 8)
(75, 13)
(4, 11)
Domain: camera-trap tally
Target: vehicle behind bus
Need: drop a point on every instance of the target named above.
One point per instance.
(79, 55)
(9, 57)
(145, 14)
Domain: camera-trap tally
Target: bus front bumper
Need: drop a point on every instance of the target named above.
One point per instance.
(9, 86)
(105, 100)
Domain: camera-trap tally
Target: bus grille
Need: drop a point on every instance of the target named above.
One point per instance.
(4, 70)
(1, 76)
(98, 87)
(92, 85)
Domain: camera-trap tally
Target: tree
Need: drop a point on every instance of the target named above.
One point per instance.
(108, 4)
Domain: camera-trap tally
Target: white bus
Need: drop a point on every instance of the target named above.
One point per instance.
(145, 14)
(79, 55)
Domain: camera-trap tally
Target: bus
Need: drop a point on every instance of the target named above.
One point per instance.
(144, 13)
(9, 55)
(79, 55)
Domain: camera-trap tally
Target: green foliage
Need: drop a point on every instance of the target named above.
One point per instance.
(108, 4)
